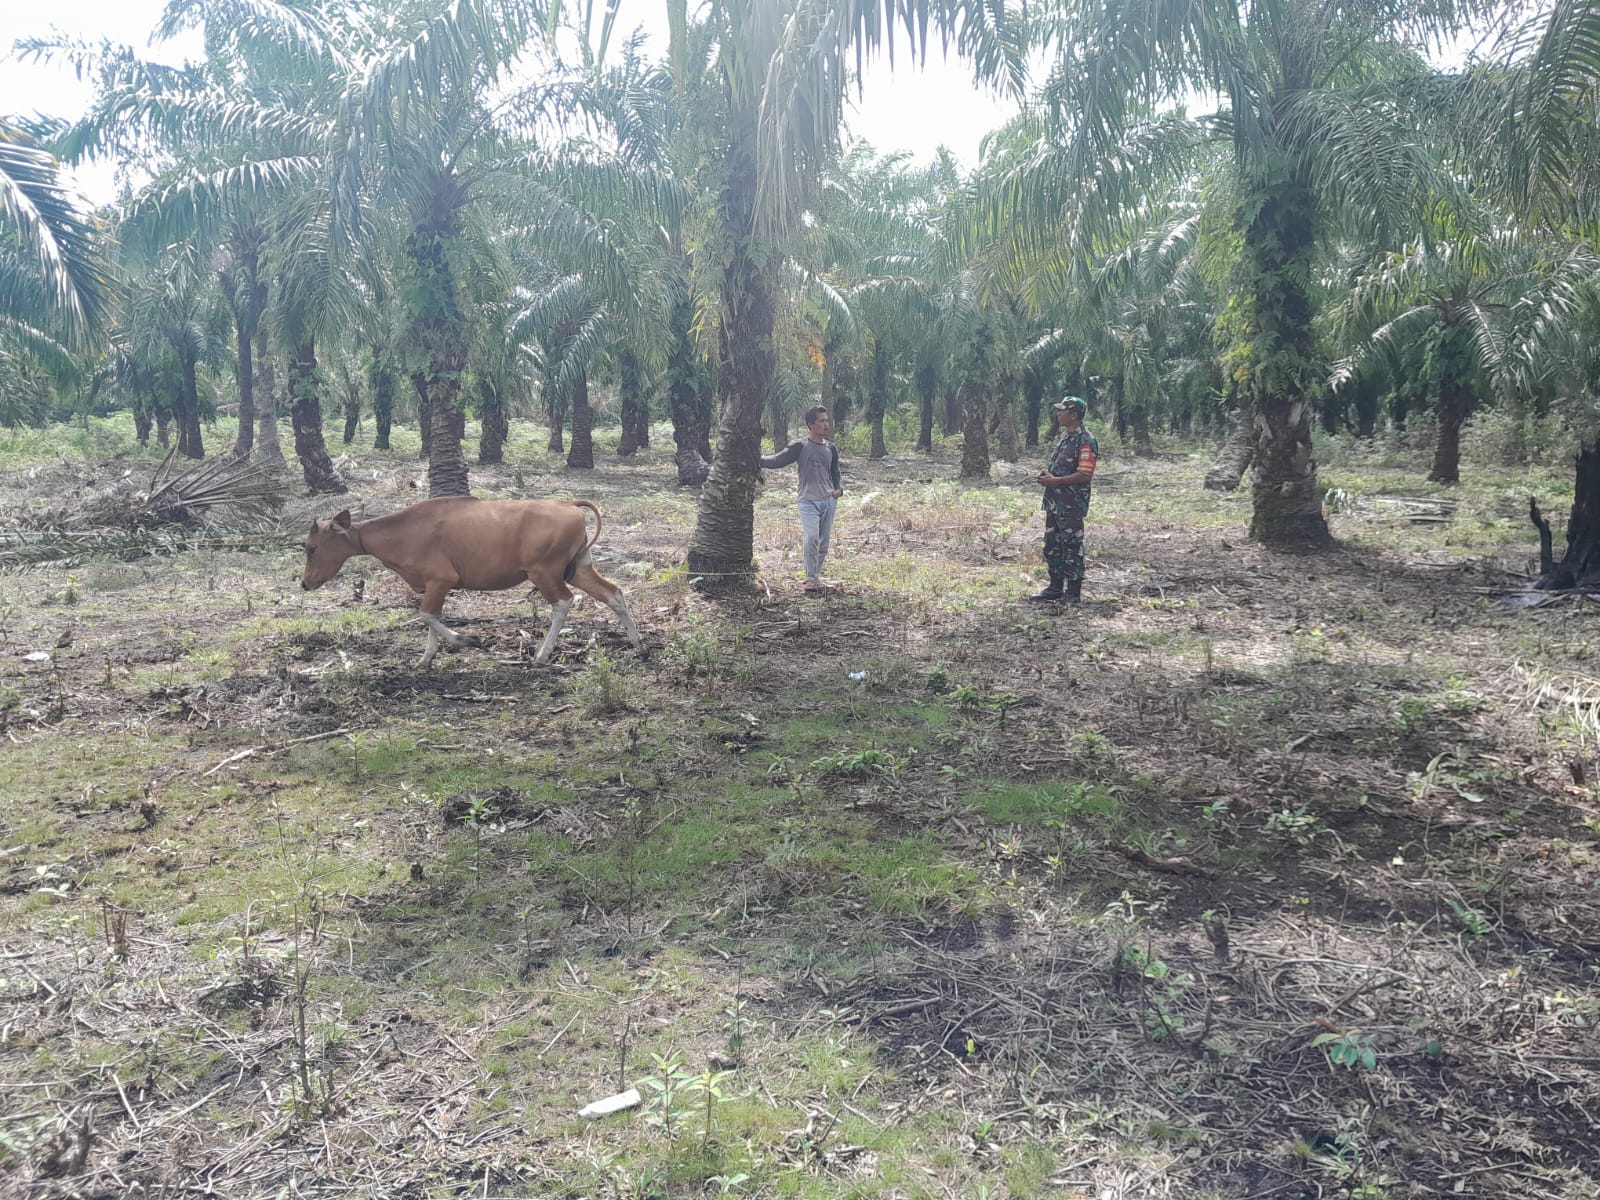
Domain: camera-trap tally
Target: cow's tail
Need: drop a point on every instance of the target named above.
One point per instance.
(599, 522)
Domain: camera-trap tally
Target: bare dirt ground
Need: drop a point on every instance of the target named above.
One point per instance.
(1256, 876)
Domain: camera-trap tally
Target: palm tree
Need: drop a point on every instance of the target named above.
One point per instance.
(1476, 289)
(1313, 140)
(774, 96)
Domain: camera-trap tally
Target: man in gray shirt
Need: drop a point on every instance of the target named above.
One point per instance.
(820, 489)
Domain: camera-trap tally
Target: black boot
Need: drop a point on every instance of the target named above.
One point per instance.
(1074, 593)
(1051, 594)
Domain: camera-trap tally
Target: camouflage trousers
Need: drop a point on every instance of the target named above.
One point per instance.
(1063, 545)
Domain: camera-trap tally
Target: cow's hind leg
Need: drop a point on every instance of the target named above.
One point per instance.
(587, 579)
(432, 606)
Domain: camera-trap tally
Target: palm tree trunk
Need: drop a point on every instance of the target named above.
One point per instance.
(1033, 397)
(187, 410)
(141, 423)
(447, 463)
(1447, 453)
(1279, 239)
(382, 403)
(952, 410)
(1005, 418)
(305, 413)
(706, 414)
(975, 430)
(683, 399)
(878, 399)
(1233, 459)
(581, 456)
(778, 420)
(268, 446)
(163, 428)
(1139, 418)
(1453, 347)
(244, 442)
(557, 419)
(927, 388)
(248, 297)
(439, 327)
(635, 412)
(493, 425)
(352, 418)
(722, 547)
(424, 415)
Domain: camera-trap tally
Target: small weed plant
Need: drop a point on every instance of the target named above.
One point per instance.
(602, 688)
(1294, 825)
(867, 763)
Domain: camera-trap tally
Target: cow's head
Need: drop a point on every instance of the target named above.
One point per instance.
(327, 546)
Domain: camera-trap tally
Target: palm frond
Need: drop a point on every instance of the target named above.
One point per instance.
(56, 233)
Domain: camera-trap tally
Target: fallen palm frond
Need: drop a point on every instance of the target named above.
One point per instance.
(224, 491)
(20, 548)
(217, 504)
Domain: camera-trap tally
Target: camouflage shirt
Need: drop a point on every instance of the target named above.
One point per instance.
(1075, 452)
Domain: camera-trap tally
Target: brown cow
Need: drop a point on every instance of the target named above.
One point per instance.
(481, 545)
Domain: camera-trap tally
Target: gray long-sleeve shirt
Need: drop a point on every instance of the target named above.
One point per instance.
(819, 467)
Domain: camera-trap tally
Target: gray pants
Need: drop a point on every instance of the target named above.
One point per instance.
(816, 520)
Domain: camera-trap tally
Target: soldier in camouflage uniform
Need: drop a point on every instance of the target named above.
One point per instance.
(1066, 482)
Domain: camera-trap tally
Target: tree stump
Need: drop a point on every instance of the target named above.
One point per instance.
(1580, 565)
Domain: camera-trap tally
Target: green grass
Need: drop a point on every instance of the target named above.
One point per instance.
(755, 824)
(1049, 804)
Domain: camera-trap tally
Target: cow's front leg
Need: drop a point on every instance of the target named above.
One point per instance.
(432, 605)
(558, 618)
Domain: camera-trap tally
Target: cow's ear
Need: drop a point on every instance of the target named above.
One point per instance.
(315, 526)
(343, 519)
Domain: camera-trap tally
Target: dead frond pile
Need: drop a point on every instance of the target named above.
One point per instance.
(220, 502)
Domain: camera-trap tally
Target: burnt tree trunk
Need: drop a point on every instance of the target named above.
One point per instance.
(1580, 565)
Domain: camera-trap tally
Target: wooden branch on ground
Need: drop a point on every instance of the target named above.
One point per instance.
(271, 748)
(1170, 866)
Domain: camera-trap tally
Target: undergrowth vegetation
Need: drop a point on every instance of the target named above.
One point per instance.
(1255, 876)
